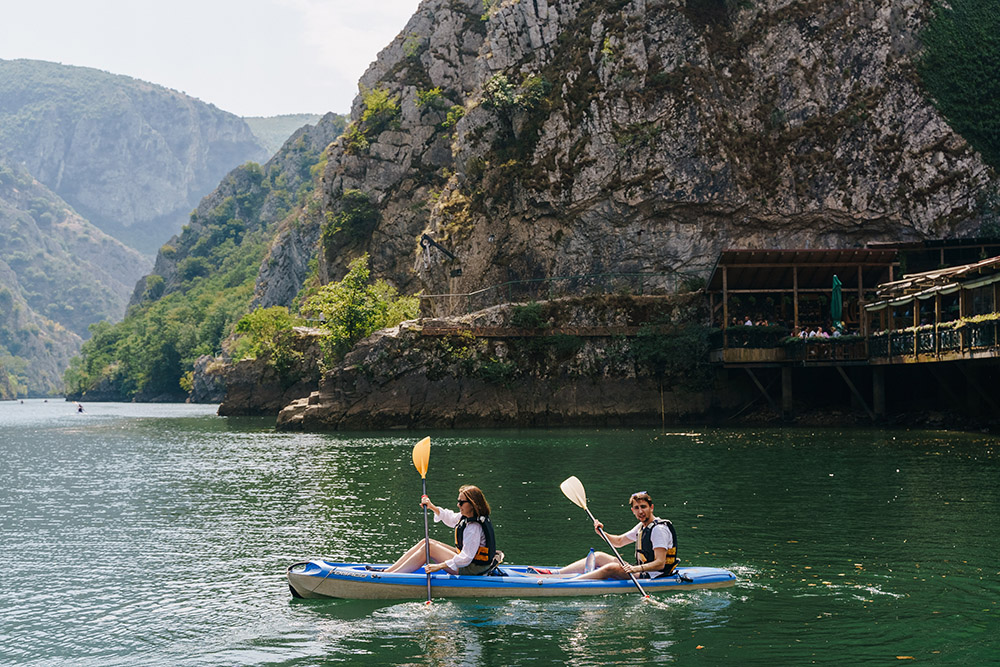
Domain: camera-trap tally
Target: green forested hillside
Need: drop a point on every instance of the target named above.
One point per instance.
(58, 274)
(33, 349)
(202, 282)
(65, 268)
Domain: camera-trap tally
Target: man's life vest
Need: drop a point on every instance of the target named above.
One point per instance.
(644, 545)
(485, 554)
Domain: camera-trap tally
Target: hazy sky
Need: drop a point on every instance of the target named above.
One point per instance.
(248, 57)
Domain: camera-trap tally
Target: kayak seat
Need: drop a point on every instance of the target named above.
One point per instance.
(495, 565)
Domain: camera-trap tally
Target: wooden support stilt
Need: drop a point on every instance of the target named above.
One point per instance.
(854, 390)
(878, 390)
(725, 306)
(786, 392)
(770, 401)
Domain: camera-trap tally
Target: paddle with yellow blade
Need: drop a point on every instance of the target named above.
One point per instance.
(573, 489)
(421, 455)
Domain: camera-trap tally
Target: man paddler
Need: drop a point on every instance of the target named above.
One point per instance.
(655, 547)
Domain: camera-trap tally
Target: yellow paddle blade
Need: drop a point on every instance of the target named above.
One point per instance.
(421, 454)
(573, 488)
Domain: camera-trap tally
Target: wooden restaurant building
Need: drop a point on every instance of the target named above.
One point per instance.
(794, 287)
(920, 341)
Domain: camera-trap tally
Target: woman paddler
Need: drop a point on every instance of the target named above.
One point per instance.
(475, 549)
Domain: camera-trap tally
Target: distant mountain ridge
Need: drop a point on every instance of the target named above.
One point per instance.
(132, 157)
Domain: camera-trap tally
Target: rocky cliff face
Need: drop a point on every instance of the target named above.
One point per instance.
(132, 157)
(641, 136)
(256, 387)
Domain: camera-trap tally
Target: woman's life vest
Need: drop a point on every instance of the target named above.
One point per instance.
(644, 545)
(486, 553)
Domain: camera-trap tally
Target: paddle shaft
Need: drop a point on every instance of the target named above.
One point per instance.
(427, 546)
(617, 555)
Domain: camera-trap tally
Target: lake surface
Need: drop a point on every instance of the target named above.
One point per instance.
(159, 535)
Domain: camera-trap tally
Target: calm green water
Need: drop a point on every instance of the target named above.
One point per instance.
(158, 535)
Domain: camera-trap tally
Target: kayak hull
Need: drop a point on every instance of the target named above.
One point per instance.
(326, 579)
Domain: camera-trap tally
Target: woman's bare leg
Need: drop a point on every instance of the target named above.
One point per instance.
(415, 558)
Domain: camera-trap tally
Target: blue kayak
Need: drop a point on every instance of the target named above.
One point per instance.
(326, 579)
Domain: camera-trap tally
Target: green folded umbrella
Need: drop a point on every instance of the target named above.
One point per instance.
(836, 303)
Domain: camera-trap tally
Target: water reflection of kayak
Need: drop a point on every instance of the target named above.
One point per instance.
(325, 579)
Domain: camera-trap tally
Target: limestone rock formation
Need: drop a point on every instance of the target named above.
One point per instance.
(577, 137)
(256, 387)
(207, 384)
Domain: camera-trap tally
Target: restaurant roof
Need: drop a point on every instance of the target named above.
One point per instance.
(939, 281)
(774, 269)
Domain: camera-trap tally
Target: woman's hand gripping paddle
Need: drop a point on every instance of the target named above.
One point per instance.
(573, 489)
(421, 455)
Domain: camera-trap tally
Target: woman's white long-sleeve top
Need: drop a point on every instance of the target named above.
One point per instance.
(472, 539)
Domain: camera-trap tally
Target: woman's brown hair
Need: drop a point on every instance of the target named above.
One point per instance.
(475, 496)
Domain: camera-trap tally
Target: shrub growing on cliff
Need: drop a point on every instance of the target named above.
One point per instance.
(678, 357)
(353, 309)
(959, 70)
(381, 111)
(528, 316)
(431, 99)
(267, 333)
(455, 114)
(499, 93)
(356, 219)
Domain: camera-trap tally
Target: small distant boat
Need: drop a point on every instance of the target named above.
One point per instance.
(326, 579)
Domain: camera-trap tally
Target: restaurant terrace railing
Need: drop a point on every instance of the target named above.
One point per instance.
(959, 337)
